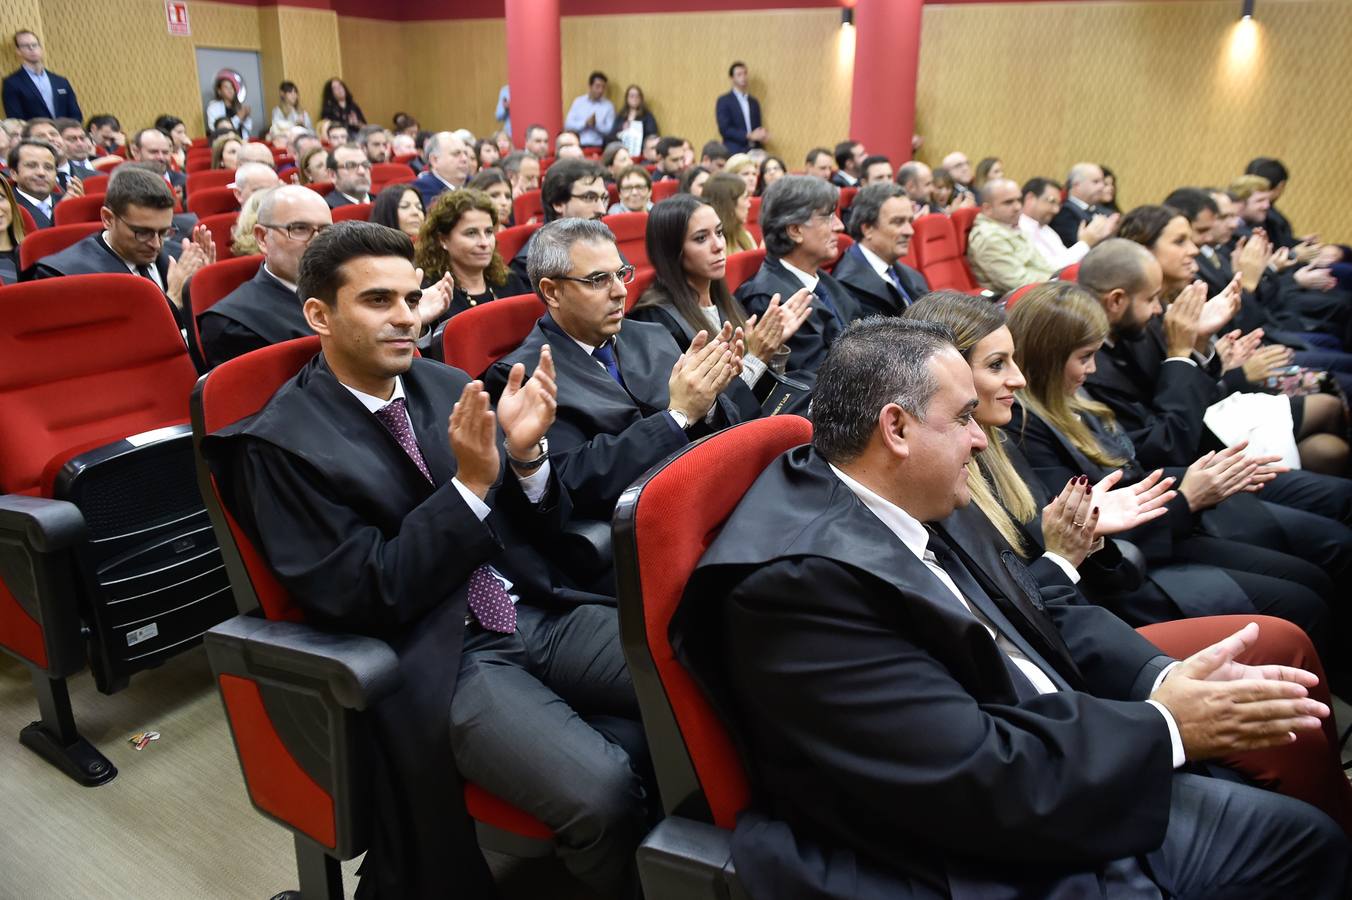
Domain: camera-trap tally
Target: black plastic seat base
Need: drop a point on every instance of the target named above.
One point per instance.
(80, 760)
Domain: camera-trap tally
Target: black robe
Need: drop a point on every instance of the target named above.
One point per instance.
(876, 295)
(365, 544)
(260, 312)
(809, 344)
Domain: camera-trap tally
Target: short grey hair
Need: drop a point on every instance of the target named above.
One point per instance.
(432, 146)
(910, 172)
(1079, 172)
(792, 200)
(511, 163)
(868, 205)
(551, 247)
(876, 361)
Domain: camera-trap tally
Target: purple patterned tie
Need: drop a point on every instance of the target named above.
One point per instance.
(488, 600)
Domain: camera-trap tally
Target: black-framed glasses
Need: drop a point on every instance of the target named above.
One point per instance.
(590, 197)
(601, 280)
(297, 231)
(354, 166)
(146, 235)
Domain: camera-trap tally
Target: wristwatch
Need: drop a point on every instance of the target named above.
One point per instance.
(531, 464)
(681, 418)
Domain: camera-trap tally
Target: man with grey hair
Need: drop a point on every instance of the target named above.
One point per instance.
(799, 222)
(628, 397)
(351, 176)
(960, 168)
(917, 180)
(523, 171)
(254, 152)
(847, 607)
(250, 178)
(872, 270)
(447, 167)
(1084, 193)
(1001, 256)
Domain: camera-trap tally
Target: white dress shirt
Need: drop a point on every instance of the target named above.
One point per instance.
(585, 107)
(132, 267)
(744, 101)
(44, 205)
(1047, 242)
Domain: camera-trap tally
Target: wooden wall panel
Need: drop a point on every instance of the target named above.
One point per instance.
(1167, 94)
(309, 43)
(371, 52)
(801, 63)
(455, 72)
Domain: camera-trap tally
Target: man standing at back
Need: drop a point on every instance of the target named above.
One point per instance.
(592, 115)
(32, 92)
(739, 114)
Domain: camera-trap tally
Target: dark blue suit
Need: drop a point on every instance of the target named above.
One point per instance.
(732, 124)
(429, 188)
(24, 101)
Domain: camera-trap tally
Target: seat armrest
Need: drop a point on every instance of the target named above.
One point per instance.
(682, 859)
(38, 572)
(47, 526)
(586, 546)
(355, 671)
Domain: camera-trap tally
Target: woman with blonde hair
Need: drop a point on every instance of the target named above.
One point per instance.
(989, 169)
(225, 151)
(459, 238)
(313, 167)
(745, 168)
(242, 240)
(729, 197)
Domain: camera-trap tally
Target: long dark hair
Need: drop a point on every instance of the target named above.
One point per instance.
(386, 209)
(233, 106)
(331, 101)
(665, 239)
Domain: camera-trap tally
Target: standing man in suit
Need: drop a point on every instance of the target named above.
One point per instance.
(963, 732)
(1084, 192)
(351, 176)
(630, 395)
(739, 114)
(32, 92)
(881, 218)
(798, 219)
(592, 115)
(413, 533)
(32, 165)
(448, 162)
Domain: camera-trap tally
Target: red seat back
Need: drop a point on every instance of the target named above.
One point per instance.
(194, 164)
(389, 173)
(743, 266)
(212, 202)
(527, 209)
(322, 188)
(660, 534)
(847, 195)
(212, 283)
(753, 214)
(46, 241)
(630, 230)
(221, 226)
(211, 178)
(936, 250)
(511, 240)
(406, 158)
(480, 336)
(352, 212)
(84, 360)
(643, 279)
(843, 242)
(962, 218)
(664, 188)
(74, 210)
(1069, 273)
(1016, 295)
(96, 184)
(30, 224)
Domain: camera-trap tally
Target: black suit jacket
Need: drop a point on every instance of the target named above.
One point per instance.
(732, 124)
(260, 312)
(23, 101)
(42, 219)
(605, 436)
(876, 295)
(335, 199)
(78, 170)
(911, 739)
(1066, 223)
(365, 544)
(809, 345)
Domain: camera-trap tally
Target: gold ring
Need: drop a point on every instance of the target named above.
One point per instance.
(1079, 524)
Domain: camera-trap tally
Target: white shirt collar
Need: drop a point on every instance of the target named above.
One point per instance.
(874, 260)
(348, 196)
(906, 527)
(454, 187)
(294, 288)
(41, 204)
(36, 73)
(809, 281)
(1071, 198)
(370, 401)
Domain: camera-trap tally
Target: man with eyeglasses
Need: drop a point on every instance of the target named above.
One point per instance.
(32, 92)
(351, 177)
(572, 189)
(138, 221)
(628, 394)
(447, 167)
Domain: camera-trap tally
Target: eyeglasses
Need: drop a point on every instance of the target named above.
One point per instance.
(630, 188)
(297, 231)
(353, 166)
(601, 280)
(146, 235)
(590, 197)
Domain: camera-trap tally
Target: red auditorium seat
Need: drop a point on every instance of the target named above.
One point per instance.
(211, 178)
(383, 174)
(212, 201)
(613, 192)
(742, 267)
(700, 778)
(962, 225)
(847, 195)
(630, 230)
(1016, 295)
(46, 241)
(843, 242)
(545, 164)
(406, 158)
(197, 164)
(212, 283)
(352, 211)
(591, 152)
(220, 226)
(526, 209)
(643, 279)
(478, 337)
(29, 224)
(511, 240)
(273, 667)
(935, 246)
(322, 188)
(108, 556)
(1069, 273)
(74, 210)
(95, 184)
(664, 189)
(753, 215)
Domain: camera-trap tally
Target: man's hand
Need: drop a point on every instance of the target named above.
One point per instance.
(967, 198)
(1222, 706)
(1267, 363)
(527, 410)
(1235, 349)
(1181, 318)
(473, 437)
(1314, 278)
(435, 299)
(1216, 476)
(760, 135)
(1266, 469)
(197, 252)
(1219, 309)
(701, 373)
(1097, 229)
(1122, 509)
(74, 187)
(1307, 251)
(1251, 258)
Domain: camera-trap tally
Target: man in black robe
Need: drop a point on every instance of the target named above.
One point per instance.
(381, 522)
(934, 725)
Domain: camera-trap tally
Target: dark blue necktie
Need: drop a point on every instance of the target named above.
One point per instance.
(825, 297)
(896, 282)
(606, 354)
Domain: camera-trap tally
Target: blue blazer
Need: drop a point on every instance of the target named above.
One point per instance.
(22, 100)
(731, 123)
(429, 188)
